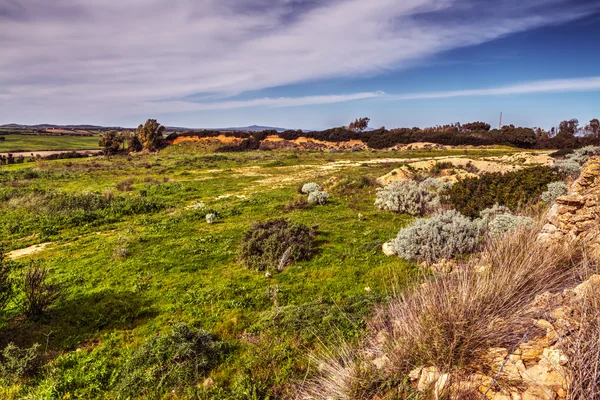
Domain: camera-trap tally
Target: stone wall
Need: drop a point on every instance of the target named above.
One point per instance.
(576, 216)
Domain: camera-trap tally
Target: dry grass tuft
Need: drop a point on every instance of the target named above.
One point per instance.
(582, 347)
(449, 321)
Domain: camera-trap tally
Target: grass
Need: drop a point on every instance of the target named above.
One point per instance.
(133, 275)
(21, 143)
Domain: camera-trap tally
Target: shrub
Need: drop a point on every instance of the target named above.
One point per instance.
(126, 185)
(573, 161)
(266, 242)
(18, 363)
(452, 320)
(37, 294)
(318, 197)
(296, 205)
(439, 237)
(570, 167)
(514, 190)
(582, 155)
(555, 190)
(210, 218)
(449, 320)
(407, 196)
(310, 187)
(169, 362)
(506, 223)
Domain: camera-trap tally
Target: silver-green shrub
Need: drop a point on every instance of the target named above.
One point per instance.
(440, 237)
(497, 221)
(583, 154)
(503, 224)
(573, 162)
(490, 213)
(571, 167)
(408, 197)
(318, 197)
(210, 218)
(310, 187)
(555, 190)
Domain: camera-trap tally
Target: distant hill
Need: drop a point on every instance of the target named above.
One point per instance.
(70, 127)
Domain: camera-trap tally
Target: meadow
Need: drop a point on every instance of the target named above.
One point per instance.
(19, 143)
(128, 239)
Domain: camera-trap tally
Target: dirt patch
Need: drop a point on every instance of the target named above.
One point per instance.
(463, 167)
(27, 251)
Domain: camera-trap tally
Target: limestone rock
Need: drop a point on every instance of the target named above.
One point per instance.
(388, 249)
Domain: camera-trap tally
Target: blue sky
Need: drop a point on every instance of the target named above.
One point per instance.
(299, 63)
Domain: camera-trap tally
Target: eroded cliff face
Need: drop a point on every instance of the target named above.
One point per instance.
(541, 365)
(576, 216)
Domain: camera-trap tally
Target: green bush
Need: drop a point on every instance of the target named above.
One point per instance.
(514, 190)
(266, 244)
(169, 363)
(18, 363)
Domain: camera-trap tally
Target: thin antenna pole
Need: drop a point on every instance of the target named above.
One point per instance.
(500, 124)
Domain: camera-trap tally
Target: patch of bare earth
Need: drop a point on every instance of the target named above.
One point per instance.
(27, 251)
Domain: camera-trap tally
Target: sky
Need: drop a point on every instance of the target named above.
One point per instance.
(301, 64)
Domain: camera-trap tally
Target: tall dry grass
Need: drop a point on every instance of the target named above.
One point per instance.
(582, 346)
(450, 320)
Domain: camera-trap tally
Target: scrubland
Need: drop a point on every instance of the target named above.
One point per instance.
(157, 302)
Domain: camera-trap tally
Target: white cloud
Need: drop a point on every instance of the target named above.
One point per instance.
(71, 59)
(587, 84)
(275, 102)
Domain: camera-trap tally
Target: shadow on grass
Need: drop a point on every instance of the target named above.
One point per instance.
(76, 320)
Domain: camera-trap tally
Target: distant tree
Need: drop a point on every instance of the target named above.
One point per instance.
(518, 136)
(568, 129)
(133, 142)
(593, 128)
(541, 134)
(477, 126)
(359, 125)
(111, 142)
(150, 135)
(2, 138)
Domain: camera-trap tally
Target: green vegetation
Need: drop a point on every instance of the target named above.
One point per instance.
(136, 260)
(514, 190)
(16, 143)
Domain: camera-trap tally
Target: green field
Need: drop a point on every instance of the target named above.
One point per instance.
(47, 142)
(135, 262)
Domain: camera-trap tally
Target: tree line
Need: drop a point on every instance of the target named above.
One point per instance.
(147, 137)
(568, 134)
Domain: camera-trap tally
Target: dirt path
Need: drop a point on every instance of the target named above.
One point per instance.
(27, 251)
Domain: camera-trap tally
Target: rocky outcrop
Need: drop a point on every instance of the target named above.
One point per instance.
(538, 367)
(576, 216)
(534, 369)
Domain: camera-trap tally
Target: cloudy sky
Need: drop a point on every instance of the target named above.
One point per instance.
(298, 63)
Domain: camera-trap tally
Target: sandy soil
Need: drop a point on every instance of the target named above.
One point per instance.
(27, 251)
(490, 164)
